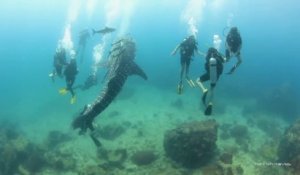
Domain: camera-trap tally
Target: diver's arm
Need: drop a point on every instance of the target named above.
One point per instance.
(175, 50)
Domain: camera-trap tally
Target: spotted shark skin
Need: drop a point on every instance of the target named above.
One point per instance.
(121, 65)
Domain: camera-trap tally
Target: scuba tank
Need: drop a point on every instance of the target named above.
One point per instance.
(213, 71)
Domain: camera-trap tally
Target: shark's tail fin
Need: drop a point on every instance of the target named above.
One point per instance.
(93, 31)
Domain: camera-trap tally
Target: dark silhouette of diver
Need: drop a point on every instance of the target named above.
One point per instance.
(120, 65)
(214, 68)
(70, 73)
(233, 47)
(84, 35)
(59, 61)
(187, 49)
(91, 80)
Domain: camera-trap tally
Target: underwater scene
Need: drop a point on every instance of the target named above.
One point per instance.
(149, 87)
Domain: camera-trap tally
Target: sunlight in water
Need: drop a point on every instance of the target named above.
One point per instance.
(217, 41)
(127, 12)
(73, 11)
(90, 8)
(192, 15)
(98, 51)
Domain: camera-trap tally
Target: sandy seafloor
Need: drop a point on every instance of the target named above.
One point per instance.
(147, 112)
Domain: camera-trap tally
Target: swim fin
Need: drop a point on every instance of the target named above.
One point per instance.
(73, 100)
(191, 83)
(63, 91)
(179, 88)
(208, 109)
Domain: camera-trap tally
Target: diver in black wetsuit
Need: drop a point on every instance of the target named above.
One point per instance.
(59, 61)
(214, 68)
(187, 49)
(233, 47)
(70, 75)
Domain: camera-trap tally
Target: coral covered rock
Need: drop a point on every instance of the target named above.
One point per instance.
(192, 144)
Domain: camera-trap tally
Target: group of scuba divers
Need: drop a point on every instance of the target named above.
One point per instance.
(63, 68)
(121, 64)
(213, 65)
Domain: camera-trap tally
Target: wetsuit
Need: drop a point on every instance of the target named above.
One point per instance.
(59, 62)
(70, 73)
(187, 48)
(212, 52)
(234, 41)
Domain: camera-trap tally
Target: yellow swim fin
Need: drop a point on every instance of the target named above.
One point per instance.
(63, 91)
(73, 100)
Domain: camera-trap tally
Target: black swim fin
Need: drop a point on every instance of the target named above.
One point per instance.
(208, 109)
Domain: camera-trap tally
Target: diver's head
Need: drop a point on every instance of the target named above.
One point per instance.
(190, 39)
(234, 30)
(212, 51)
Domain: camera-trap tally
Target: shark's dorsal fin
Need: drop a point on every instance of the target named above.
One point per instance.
(134, 69)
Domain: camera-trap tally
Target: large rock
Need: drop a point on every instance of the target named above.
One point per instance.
(192, 144)
(289, 147)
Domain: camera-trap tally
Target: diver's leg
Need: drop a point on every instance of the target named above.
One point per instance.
(200, 81)
(187, 77)
(182, 71)
(208, 101)
(187, 68)
(180, 85)
(227, 54)
(238, 56)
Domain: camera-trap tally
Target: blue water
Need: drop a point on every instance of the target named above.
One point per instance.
(30, 31)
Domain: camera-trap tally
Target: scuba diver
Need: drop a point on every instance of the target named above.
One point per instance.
(59, 61)
(187, 49)
(91, 80)
(70, 74)
(121, 65)
(233, 47)
(84, 35)
(214, 68)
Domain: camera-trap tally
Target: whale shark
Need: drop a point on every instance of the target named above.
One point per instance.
(120, 65)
